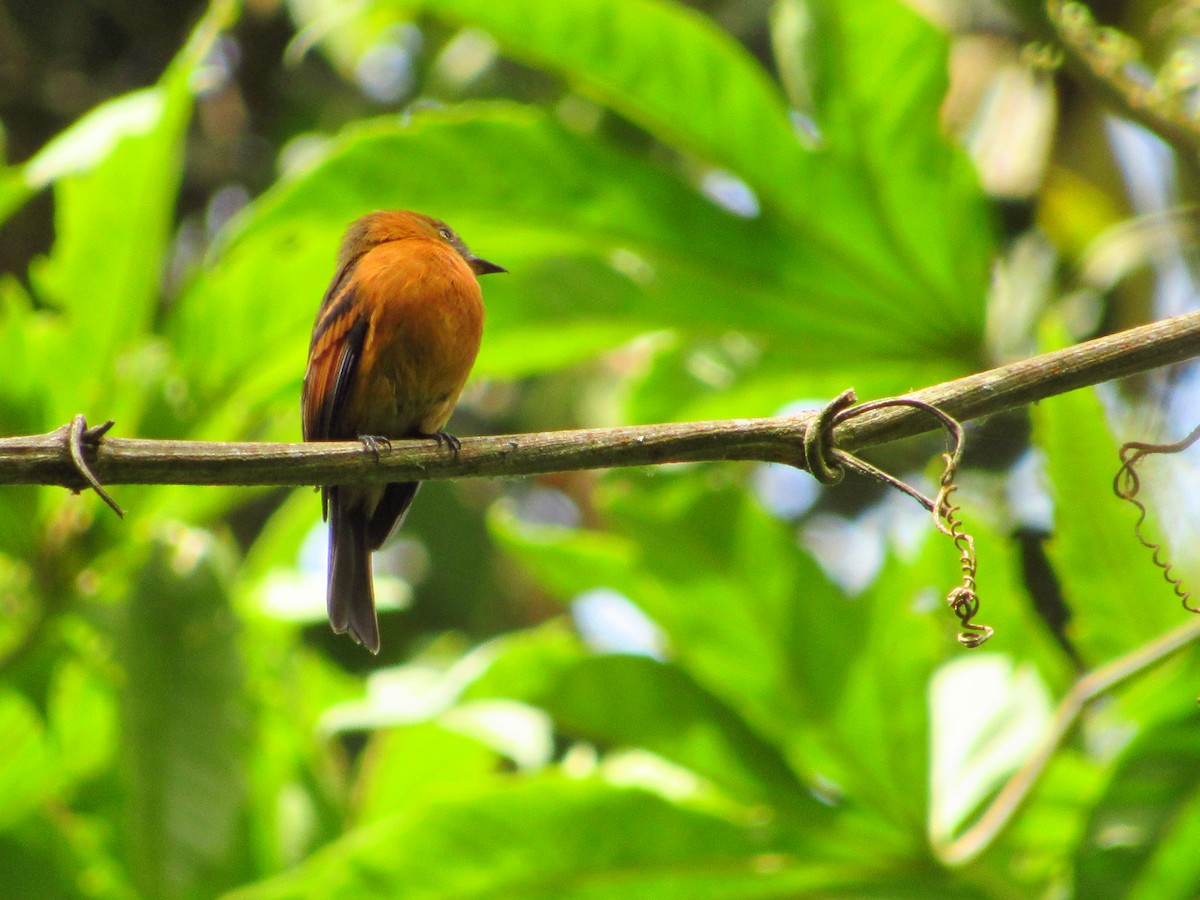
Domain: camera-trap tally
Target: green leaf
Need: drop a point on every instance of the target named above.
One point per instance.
(846, 272)
(184, 721)
(733, 377)
(115, 174)
(885, 193)
(551, 838)
(883, 714)
(592, 237)
(93, 137)
(1141, 837)
(297, 784)
(748, 615)
(631, 701)
(879, 74)
(1051, 823)
(601, 244)
(986, 717)
(83, 721)
(1117, 597)
(745, 607)
(14, 192)
(525, 664)
(28, 337)
(667, 67)
(27, 773)
(405, 764)
(81, 147)
(34, 863)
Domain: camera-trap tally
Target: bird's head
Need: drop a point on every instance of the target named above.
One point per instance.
(397, 225)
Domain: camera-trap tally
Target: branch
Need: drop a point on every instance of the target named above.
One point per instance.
(1100, 57)
(46, 459)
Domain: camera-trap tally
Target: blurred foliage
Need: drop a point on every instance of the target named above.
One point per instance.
(697, 681)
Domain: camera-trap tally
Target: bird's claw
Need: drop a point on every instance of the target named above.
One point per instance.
(373, 442)
(444, 439)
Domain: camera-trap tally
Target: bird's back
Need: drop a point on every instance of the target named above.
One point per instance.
(422, 338)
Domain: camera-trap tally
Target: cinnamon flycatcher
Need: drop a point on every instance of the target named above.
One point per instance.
(394, 341)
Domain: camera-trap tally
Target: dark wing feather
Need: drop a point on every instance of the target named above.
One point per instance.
(332, 365)
(335, 291)
(390, 511)
(333, 360)
(332, 420)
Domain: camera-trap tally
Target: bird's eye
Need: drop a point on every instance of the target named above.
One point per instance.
(446, 234)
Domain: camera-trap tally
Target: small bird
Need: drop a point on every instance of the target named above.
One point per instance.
(393, 344)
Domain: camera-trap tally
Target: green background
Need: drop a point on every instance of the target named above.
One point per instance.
(706, 212)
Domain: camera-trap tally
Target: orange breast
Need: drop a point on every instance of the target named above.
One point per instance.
(426, 321)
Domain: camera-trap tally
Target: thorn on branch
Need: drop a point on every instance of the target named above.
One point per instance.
(1126, 485)
(77, 437)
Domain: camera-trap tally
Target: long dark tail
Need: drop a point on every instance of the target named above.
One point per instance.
(351, 598)
(353, 533)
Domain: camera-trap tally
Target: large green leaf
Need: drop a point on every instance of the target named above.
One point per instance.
(115, 178)
(747, 614)
(667, 67)
(27, 774)
(879, 74)
(83, 720)
(81, 147)
(593, 239)
(730, 377)
(552, 838)
(297, 784)
(184, 721)
(902, 205)
(1117, 597)
(402, 765)
(878, 259)
(1141, 839)
(631, 701)
(884, 711)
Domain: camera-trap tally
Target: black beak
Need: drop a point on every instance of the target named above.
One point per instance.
(483, 267)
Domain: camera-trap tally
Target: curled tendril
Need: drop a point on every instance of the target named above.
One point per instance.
(827, 462)
(1127, 484)
(963, 600)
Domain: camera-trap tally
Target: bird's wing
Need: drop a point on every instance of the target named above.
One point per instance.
(338, 290)
(333, 360)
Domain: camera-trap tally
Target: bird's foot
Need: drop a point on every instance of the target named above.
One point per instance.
(373, 442)
(446, 440)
